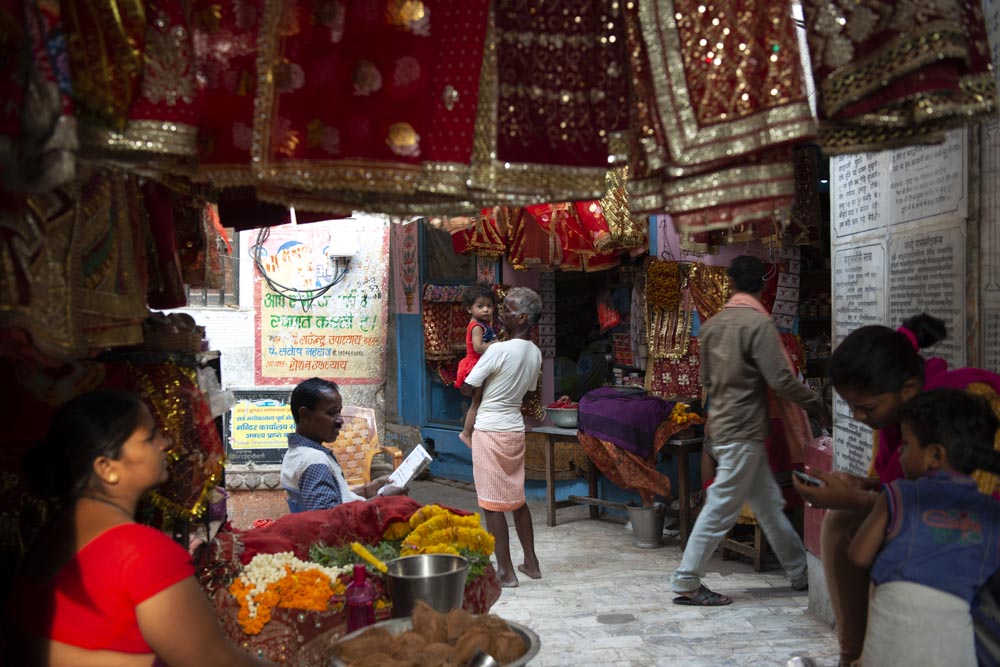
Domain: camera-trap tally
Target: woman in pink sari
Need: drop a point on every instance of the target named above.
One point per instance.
(876, 370)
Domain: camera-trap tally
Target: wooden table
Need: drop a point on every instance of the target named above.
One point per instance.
(552, 435)
(682, 448)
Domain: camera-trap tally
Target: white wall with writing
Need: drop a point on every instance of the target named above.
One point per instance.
(989, 246)
(898, 233)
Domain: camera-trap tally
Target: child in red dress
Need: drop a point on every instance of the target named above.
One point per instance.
(480, 301)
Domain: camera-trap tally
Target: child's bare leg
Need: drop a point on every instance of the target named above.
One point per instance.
(470, 421)
(470, 418)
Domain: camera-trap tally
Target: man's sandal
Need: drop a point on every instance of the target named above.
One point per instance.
(704, 598)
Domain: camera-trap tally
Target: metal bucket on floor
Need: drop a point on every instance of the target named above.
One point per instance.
(647, 525)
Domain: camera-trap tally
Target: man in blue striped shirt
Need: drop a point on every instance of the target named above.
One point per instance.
(310, 474)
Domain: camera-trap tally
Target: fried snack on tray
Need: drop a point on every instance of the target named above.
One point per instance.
(437, 640)
(457, 621)
(429, 623)
(508, 646)
(376, 639)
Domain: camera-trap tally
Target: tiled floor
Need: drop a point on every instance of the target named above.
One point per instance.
(604, 602)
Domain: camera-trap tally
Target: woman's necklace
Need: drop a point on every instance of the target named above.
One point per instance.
(107, 502)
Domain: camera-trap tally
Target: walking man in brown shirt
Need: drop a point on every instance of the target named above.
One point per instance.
(741, 358)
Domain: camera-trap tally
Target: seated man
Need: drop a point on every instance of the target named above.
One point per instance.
(310, 473)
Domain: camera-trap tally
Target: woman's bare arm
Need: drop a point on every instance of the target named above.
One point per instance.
(180, 625)
(41, 652)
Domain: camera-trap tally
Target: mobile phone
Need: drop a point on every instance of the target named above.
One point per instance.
(807, 479)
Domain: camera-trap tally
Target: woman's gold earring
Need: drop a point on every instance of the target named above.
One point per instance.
(113, 478)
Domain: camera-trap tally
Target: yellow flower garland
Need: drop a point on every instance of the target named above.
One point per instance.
(436, 530)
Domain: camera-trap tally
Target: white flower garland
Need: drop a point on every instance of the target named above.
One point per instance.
(266, 569)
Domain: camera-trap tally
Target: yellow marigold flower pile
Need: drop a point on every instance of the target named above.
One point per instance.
(282, 580)
(397, 530)
(682, 416)
(663, 286)
(435, 530)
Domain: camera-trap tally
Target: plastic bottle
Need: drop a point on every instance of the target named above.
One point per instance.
(360, 596)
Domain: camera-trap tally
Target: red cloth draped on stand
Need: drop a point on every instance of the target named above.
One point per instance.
(627, 470)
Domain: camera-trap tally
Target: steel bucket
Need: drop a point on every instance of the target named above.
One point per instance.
(647, 525)
(437, 579)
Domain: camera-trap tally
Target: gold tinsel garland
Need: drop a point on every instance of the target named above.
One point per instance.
(663, 286)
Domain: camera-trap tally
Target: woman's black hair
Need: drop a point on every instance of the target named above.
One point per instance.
(479, 290)
(879, 360)
(958, 421)
(747, 274)
(90, 426)
(308, 393)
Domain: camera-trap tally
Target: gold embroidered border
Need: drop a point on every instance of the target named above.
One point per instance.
(729, 186)
(142, 136)
(711, 219)
(977, 96)
(225, 175)
(903, 55)
(688, 143)
(268, 41)
(840, 139)
(669, 332)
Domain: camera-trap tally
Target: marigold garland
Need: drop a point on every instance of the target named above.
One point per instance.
(282, 580)
(396, 530)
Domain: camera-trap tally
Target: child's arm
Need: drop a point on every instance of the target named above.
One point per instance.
(870, 536)
(478, 344)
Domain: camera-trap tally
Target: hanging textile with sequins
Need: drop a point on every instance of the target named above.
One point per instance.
(37, 128)
(484, 237)
(396, 114)
(73, 267)
(720, 96)
(676, 379)
(669, 331)
(709, 287)
(895, 73)
(133, 71)
(561, 107)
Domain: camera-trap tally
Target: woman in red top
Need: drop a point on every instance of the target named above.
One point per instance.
(876, 370)
(96, 588)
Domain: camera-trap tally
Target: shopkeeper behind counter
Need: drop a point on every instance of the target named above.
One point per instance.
(310, 473)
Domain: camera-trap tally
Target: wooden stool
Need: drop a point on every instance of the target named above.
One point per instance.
(731, 548)
(757, 549)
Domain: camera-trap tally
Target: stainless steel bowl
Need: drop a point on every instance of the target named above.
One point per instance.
(562, 417)
(437, 579)
(398, 626)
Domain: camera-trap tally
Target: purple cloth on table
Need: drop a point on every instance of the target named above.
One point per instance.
(625, 420)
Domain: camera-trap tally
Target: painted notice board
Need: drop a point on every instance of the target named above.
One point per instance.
(257, 427)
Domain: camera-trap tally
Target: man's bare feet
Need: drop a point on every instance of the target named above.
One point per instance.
(507, 580)
(466, 437)
(532, 572)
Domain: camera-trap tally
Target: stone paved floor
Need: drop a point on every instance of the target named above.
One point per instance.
(603, 602)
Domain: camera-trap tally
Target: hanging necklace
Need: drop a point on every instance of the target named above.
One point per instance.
(108, 502)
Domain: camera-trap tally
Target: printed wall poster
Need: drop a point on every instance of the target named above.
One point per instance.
(341, 334)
